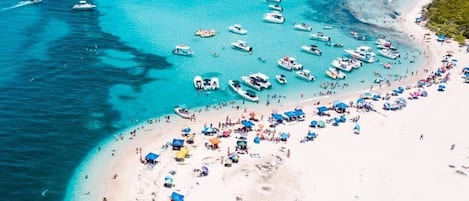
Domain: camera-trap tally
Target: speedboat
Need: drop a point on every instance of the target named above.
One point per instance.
(305, 74)
(205, 33)
(276, 7)
(335, 73)
(334, 44)
(320, 36)
(363, 53)
(281, 78)
(389, 53)
(382, 43)
(346, 64)
(241, 45)
(276, 1)
(327, 27)
(198, 82)
(235, 85)
(30, 2)
(303, 27)
(183, 50)
(182, 111)
(274, 17)
(251, 82)
(261, 79)
(312, 49)
(289, 63)
(83, 5)
(358, 36)
(238, 29)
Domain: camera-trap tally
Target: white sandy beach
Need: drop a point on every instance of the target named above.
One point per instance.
(387, 161)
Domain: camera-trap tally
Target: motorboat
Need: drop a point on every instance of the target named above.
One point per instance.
(182, 111)
(83, 5)
(327, 27)
(312, 49)
(346, 64)
(320, 36)
(303, 27)
(389, 53)
(205, 33)
(289, 63)
(251, 82)
(347, 67)
(305, 74)
(238, 29)
(276, 1)
(274, 17)
(334, 44)
(335, 73)
(357, 36)
(261, 79)
(235, 85)
(387, 65)
(276, 7)
(198, 82)
(183, 50)
(363, 53)
(382, 43)
(241, 45)
(281, 78)
(30, 2)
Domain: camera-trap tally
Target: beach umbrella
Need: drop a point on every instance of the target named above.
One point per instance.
(311, 134)
(180, 155)
(313, 123)
(257, 140)
(321, 124)
(247, 124)
(284, 136)
(186, 130)
(215, 141)
(424, 93)
(204, 170)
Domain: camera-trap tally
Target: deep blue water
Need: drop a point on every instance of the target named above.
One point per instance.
(55, 90)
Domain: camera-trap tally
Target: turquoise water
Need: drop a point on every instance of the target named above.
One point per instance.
(71, 80)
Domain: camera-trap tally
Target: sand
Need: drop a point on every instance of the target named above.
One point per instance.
(418, 153)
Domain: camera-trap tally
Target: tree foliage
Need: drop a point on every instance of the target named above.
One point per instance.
(449, 18)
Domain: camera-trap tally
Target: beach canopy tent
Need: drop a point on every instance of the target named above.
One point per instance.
(209, 131)
(247, 124)
(424, 93)
(441, 87)
(177, 144)
(177, 197)
(322, 110)
(441, 38)
(215, 141)
(277, 117)
(340, 106)
(150, 158)
(186, 130)
(311, 135)
(376, 97)
(299, 113)
(241, 144)
(284, 136)
(313, 123)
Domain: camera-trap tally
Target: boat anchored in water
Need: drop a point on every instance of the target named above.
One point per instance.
(182, 111)
(238, 29)
(335, 73)
(289, 63)
(312, 49)
(183, 50)
(363, 53)
(83, 5)
(276, 7)
(389, 53)
(235, 85)
(320, 36)
(305, 75)
(281, 78)
(274, 17)
(346, 64)
(205, 33)
(241, 45)
(206, 83)
(302, 27)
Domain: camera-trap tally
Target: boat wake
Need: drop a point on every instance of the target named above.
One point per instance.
(19, 4)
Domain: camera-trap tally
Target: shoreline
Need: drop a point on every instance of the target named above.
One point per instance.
(130, 173)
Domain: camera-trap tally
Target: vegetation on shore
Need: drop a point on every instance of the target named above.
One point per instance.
(449, 18)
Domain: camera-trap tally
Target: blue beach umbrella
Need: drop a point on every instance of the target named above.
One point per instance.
(284, 136)
(313, 123)
(186, 130)
(257, 140)
(247, 124)
(177, 197)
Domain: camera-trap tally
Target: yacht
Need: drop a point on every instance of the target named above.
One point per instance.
(363, 53)
(183, 50)
(312, 49)
(235, 85)
(182, 111)
(241, 45)
(238, 29)
(320, 36)
(274, 17)
(261, 79)
(389, 53)
(206, 83)
(289, 63)
(346, 64)
(382, 43)
(198, 82)
(281, 78)
(305, 74)
(335, 73)
(251, 82)
(83, 5)
(205, 33)
(303, 27)
(276, 7)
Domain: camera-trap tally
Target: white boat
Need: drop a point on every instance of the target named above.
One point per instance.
(281, 78)
(238, 29)
(182, 111)
(276, 7)
(363, 53)
(305, 74)
(289, 63)
(312, 49)
(335, 73)
(29, 2)
(205, 33)
(83, 5)
(261, 79)
(303, 27)
(274, 17)
(241, 45)
(389, 53)
(183, 50)
(346, 64)
(251, 82)
(235, 85)
(198, 82)
(327, 27)
(347, 67)
(320, 36)
(276, 1)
